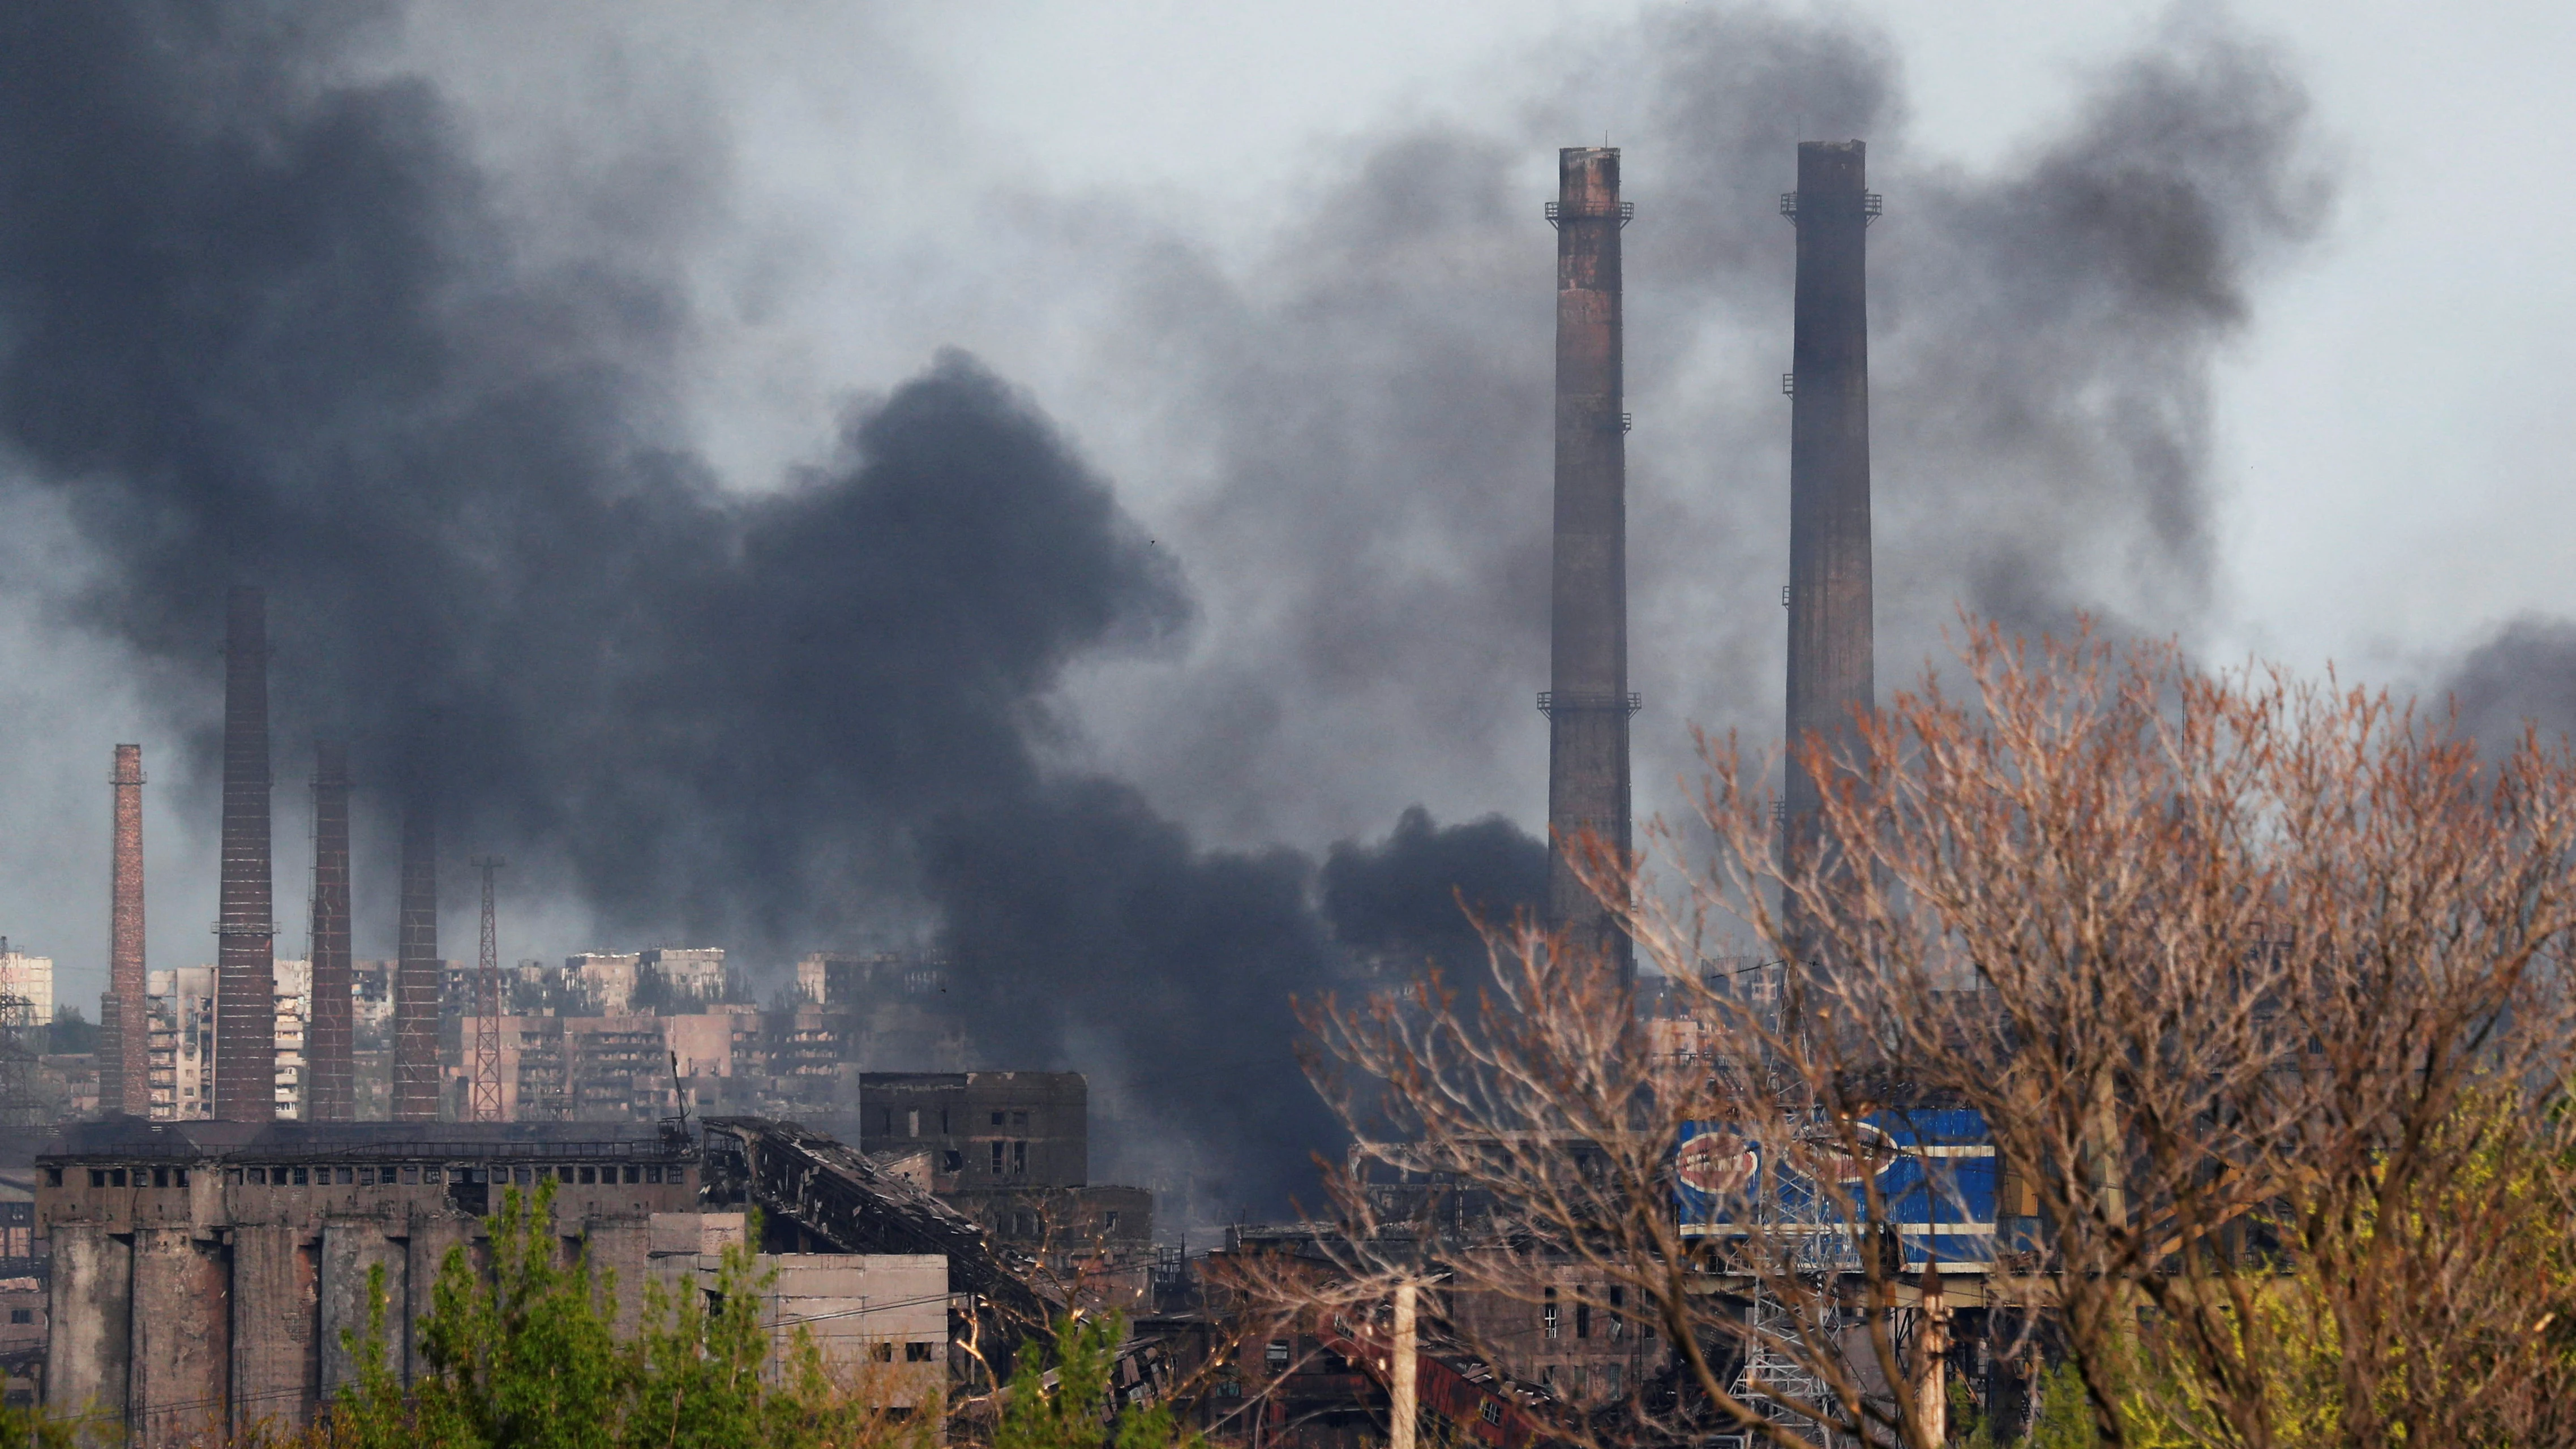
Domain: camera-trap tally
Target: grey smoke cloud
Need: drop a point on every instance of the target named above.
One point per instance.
(1370, 396)
(267, 310)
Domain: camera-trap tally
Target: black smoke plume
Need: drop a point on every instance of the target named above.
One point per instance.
(263, 319)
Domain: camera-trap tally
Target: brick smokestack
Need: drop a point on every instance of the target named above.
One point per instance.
(1829, 570)
(123, 1056)
(417, 968)
(1588, 702)
(331, 1089)
(246, 931)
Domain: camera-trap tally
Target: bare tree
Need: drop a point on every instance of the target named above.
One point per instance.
(2253, 989)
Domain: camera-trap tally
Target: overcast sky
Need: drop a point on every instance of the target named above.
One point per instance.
(1138, 214)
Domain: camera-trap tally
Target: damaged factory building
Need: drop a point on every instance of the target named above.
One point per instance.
(203, 1272)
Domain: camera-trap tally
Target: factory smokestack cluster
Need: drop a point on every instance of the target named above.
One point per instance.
(1830, 663)
(1588, 702)
(246, 931)
(329, 1072)
(125, 1024)
(417, 967)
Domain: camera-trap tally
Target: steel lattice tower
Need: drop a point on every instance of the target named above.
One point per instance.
(486, 1099)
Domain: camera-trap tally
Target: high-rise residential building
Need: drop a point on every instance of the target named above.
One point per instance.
(294, 1022)
(181, 1059)
(32, 978)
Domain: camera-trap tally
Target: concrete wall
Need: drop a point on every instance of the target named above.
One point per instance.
(276, 1282)
(349, 1248)
(182, 1360)
(879, 1319)
(86, 1358)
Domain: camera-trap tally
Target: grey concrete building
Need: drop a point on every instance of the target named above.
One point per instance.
(203, 1271)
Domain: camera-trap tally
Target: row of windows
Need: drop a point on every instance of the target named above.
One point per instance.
(369, 1176)
(372, 1176)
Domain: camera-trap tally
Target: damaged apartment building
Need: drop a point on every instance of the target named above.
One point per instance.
(638, 1035)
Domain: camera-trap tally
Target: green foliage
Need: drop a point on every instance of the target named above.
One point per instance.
(528, 1356)
(1075, 1414)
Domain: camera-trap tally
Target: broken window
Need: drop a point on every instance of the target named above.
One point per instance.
(1582, 1318)
(1111, 1225)
(258, 1176)
(1020, 1120)
(882, 1352)
(160, 1177)
(432, 1174)
(344, 1176)
(634, 1173)
(954, 1160)
(653, 1172)
(366, 1177)
(997, 1159)
(116, 1177)
(53, 1177)
(1019, 1159)
(179, 1176)
(564, 1173)
(590, 1175)
(411, 1172)
(1547, 1315)
(1276, 1356)
(997, 1119)
(916, 1353)
(98, 1177)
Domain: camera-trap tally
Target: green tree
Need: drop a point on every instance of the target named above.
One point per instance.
(1076, 1412)
(528, 1356)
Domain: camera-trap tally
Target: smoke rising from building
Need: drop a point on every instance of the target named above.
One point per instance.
(262, 319)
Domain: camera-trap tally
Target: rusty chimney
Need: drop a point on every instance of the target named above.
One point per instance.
(246, 931)
(417, 967)
(331, 1090)
(1588, 702)
(123, 1056)
(1829, 568)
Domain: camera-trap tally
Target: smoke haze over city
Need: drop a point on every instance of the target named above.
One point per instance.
(799, 517)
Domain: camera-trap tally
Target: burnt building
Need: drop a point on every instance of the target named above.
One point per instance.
(202, 1272)
(1011, 1150)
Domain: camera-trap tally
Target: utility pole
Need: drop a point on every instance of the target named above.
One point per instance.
(1402, 1370)
(486, 1097)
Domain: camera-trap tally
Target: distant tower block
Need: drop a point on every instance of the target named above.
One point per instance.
(417, 967)
(1588, 702)
(246, 931)
(330, 1050)
(124, 1056)
(1830, 648)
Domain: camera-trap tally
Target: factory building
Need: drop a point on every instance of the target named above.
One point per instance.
(203, 1271)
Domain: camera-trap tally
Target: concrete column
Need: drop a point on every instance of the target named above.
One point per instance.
(87, 1359)
(348, 1250)
(276, 1318)
(182, 1357)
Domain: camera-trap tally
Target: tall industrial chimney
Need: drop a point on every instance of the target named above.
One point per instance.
(1829, 569)
(123, 1053)
(331, 1089)
(246, 931)
(1588, 702)
(417, 968)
